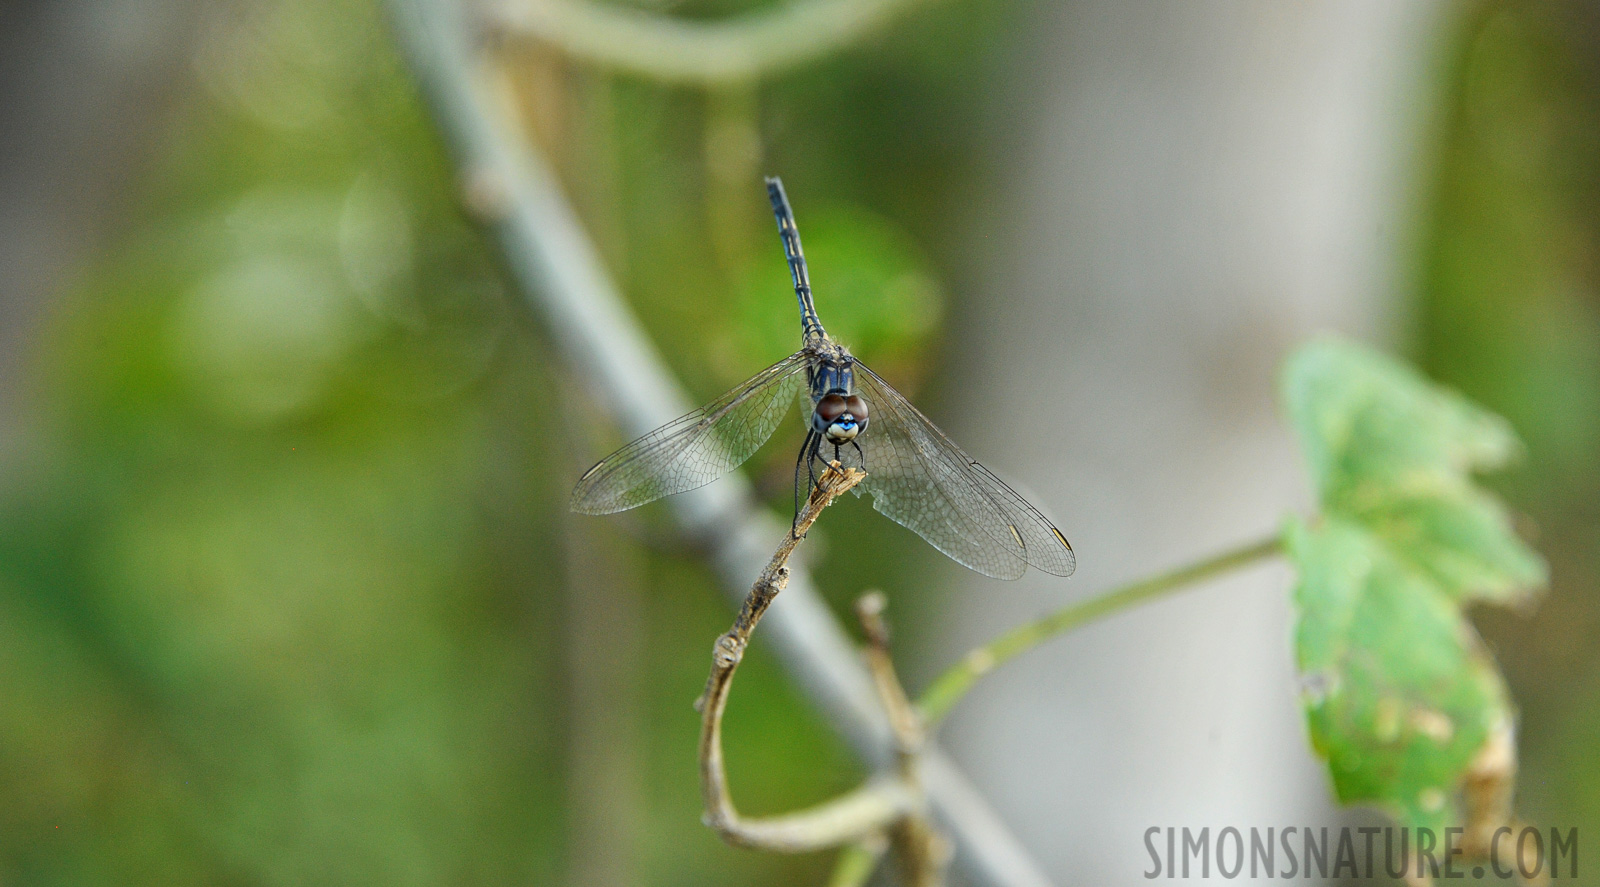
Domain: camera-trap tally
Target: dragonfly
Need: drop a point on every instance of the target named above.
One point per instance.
(915, 474)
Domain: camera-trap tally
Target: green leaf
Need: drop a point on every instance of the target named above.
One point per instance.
(1462, 541)
(1399, 692)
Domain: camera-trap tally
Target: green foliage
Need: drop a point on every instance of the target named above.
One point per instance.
(1508, 311)
(1400, 693)
(251, 629)
(875, 292)
(282, 578)
(1509, 314)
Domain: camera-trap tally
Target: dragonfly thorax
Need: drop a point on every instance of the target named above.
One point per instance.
(839, 417)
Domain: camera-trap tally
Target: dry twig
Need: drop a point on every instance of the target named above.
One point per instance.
(869, 810)
(893, 806)
(922, 851)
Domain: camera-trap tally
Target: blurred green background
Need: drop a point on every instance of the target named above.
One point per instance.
(288, 593)
(1509, 312)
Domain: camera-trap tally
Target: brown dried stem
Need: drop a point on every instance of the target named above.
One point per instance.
(856, 815)
(922, 851)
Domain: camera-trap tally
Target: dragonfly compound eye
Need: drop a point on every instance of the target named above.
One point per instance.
(837, 417)
(857, 408)
(830, 408)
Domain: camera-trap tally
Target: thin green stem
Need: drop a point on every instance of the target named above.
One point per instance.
(744, 48)
(857, 862)
(948, 688)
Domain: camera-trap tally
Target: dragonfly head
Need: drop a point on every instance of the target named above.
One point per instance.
(839, 417)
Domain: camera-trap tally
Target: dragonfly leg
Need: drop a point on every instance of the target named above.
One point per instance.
(859, 454)
(808, 450)
(798, 462)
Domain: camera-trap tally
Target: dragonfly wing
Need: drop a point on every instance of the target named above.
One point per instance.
(696, 449)
(920, 479)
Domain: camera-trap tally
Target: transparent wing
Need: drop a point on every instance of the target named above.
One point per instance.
(696, 449)
(921, 480)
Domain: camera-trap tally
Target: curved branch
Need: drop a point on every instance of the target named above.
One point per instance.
(745, 48)
(850, 817)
